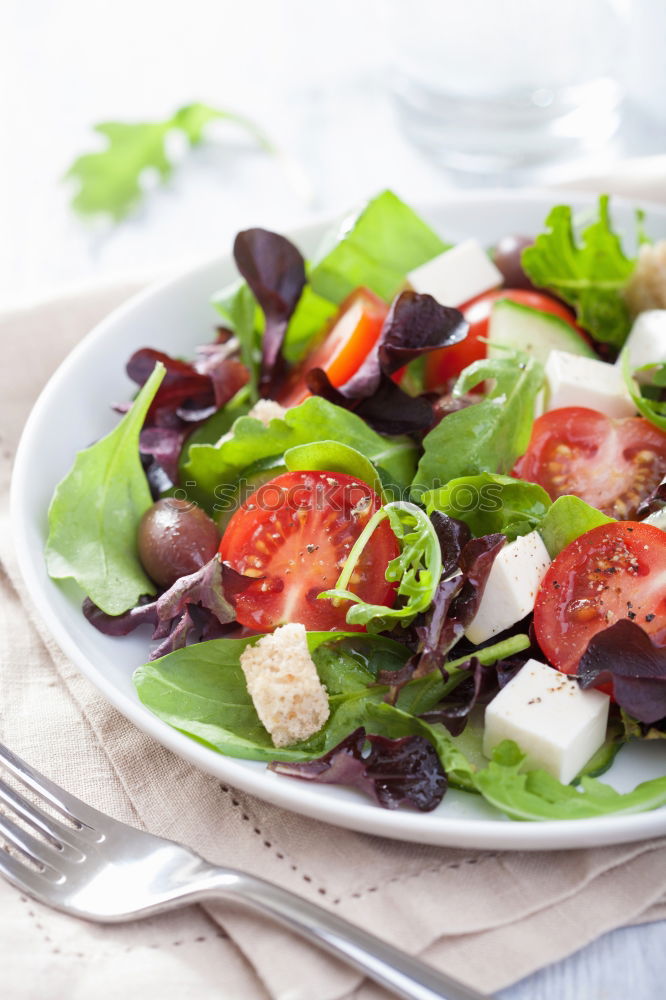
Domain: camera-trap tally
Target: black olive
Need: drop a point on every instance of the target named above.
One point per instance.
(506, 257)
(175, 538)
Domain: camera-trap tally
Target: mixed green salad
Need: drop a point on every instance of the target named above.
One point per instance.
(400, 525)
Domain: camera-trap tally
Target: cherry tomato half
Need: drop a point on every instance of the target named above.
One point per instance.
(614, 571)
(443, 365)
(346, 343)
(611, 464)
(294, 534)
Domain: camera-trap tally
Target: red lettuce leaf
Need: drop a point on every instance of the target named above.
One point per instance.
(195, 608)
(482, 683)
(452, 535)
(454, 605)
(395, 772)
(416, 324)
(653, 503)
(188, 395)
(625, 656)
(275, 271)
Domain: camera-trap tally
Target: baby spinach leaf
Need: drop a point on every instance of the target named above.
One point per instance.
(490, 503)
(376, 249)
(567, 519)
(536, 795)
(213, 468)
(332, 456)
(487, 436)
(416, 569)
(589, 273)
(201, 691)
(95, 512)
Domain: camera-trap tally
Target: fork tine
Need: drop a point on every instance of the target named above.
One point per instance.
(37, 850)
(65, 839)
(65, 803)
(25, 879)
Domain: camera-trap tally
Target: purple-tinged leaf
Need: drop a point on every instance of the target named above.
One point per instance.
(452, 535)
(625, 656)
(482, 683)
(275, 271)
(395, 772)
(389, 410)
(652, 504)
(415, 325)
(195, 608)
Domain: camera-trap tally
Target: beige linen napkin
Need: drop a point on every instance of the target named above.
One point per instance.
(489, 918)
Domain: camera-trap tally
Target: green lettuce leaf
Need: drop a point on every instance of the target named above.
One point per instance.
(416, 570)
(567, 519)
(488, 436)
(332, 456)
(648, 395)
(491, 503)
(214, 470)
(535, 795)
(95, 513)
(589, 273)
(385, 241)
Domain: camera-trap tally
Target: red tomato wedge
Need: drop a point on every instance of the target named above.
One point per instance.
(294, 534)
(443, 365)
(346, 343)
(614, 571)
(611, 464)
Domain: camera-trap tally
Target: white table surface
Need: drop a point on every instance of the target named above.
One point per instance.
(316, 79)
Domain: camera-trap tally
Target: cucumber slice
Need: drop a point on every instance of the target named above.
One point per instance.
(532, 331)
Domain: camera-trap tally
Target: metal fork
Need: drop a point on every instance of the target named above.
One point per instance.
(99, 869)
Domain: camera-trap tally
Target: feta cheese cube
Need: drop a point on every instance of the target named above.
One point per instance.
(573, 380)
(511, 588)
(554, 722)
(457, 275)
(646, 344)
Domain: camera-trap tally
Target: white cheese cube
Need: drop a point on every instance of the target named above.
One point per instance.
(646, 344)
(554, 722)
(457, 275)
(511, 588)
(576, 381)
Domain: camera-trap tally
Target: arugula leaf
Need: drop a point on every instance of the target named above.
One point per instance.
(494, 431)
(567, 519)
(214, 469)
(490, 503)
(653, 382)
(589, 273)
(535, 795)
(416, 569)
(377, 248)
(110, 181)
(95, 513)
(332, 456)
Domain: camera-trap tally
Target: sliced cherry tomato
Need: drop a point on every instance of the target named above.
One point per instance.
(611, 464)
(294, 534)
(614, 571)
(344, 346)
(443, 365)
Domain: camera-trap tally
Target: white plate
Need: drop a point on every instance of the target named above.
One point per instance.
(73, 411)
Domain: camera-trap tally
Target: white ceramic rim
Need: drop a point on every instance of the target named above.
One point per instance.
(428, 828)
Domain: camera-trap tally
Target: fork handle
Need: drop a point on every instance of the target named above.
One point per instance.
(405, 976)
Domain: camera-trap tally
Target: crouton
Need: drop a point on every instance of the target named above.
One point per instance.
(647, 286)
(284, 686)
(267, 410)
